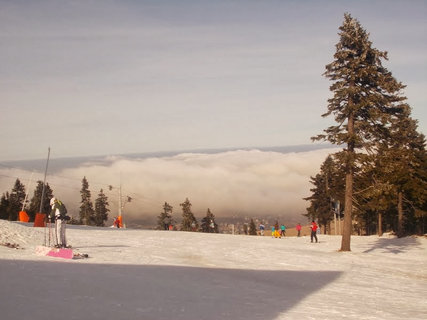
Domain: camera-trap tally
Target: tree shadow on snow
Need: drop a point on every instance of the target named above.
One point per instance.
(394, 245)
(62, 290)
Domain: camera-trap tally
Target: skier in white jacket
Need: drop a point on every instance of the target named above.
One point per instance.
(60, 222)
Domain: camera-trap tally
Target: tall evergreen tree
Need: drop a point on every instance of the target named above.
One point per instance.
(16, 200)
(375, 195)
(189, 222)
(164, 220)
(419, 198)
(366, 100)
(404, 162)
(252, 228)
(87, 212)
(208, 223)
(327, 190)
(397, 186)
(4, 206)
(101, 209)
(320, 208)
(34, 206)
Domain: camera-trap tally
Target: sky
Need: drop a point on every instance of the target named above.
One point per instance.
(147, 274)
(108, 77)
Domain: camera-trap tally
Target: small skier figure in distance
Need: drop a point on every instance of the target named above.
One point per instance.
(117, 222)
(298, 227)
(283, 230)
(261, 229)
(313, 227)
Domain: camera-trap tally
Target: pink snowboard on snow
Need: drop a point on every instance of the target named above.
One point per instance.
(53, 252)
(61, 253)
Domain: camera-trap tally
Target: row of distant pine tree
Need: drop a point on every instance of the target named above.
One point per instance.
(165, 220)
(11, 203)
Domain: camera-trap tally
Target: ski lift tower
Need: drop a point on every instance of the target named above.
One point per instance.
(122, 205)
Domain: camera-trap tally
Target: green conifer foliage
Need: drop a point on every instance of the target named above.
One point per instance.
(34, 206)
(16, 200)
(189, 222)
(208, 223)
(4, 206)
(164, 220)
(252, 228)
(366, 100)
(87, 212)
(101, 209)
(327, 190)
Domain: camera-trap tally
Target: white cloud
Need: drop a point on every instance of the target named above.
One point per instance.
(252, 183)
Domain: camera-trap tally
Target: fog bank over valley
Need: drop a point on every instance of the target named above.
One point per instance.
(234, 183)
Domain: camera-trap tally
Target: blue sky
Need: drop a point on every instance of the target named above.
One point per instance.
(114, 77)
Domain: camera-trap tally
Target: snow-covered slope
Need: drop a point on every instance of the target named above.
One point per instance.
(145, 274)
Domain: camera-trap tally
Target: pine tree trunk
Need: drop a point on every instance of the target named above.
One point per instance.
(346, 234)
(348, 199)
(380, 224)
(400, 214)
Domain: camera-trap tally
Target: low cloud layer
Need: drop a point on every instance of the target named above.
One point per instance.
(250, 183)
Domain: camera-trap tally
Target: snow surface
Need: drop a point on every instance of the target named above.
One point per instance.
(146, 274)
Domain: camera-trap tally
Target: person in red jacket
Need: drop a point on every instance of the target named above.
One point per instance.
(298, 227)
(313, 227)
